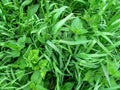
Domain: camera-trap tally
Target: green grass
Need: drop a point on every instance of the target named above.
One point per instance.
(59, 44)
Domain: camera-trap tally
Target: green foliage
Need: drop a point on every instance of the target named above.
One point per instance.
(59, 45)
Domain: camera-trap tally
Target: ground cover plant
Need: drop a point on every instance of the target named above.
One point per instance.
(59, 44)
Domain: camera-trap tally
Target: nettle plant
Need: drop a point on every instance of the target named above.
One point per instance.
(59, 45)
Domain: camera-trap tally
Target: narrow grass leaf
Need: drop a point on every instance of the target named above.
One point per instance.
(113, 88)
(106, 74)
(53, 46)
(4, 67)
(23, 86)
(104, 48)
(78, 42)
(90, 47)
(58, 12)
(26, 2)
(3, 79)
(81, 1)
(58, 25)
(56, 68)
(87, 64)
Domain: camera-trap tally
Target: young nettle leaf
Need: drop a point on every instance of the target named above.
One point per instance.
(21, 42)
(44, 67)
(38, 87)
(43, 63)
(89, 77)
(112, 68)
(20, 74)
(94, 21)
(36, 81)
(43, 72)
(77, 26)
(59, 44)
(21, 63)
(33, 56)
(36, 77)
(32, 10)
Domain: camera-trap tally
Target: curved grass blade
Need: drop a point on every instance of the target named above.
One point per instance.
(58, 25)
(106, 74)
(78, 42)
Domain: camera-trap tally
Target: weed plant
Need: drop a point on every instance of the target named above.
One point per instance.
(59, 44)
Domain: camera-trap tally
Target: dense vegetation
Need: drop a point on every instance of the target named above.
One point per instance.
(59, 44)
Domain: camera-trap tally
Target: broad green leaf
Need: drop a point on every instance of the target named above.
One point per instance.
(21, 63)
(19, 74)
(94, 21)
(43, 72)
(36, 77)
(39, 87)
(33, 56)
(44, 67)
(89, 77)
(67, 86)
(43, 63)
(77, 26)
(112, 68)
(32, 10)
(21, 42)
